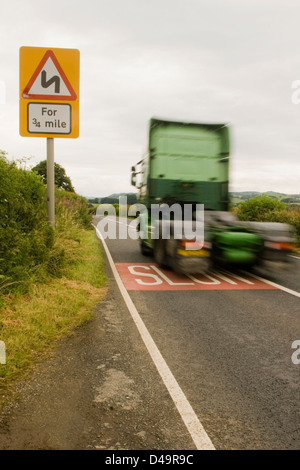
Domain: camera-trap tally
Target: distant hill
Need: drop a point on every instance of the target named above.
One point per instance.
(237, 197)
(114, 198)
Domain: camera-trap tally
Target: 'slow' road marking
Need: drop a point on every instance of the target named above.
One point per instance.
(189, 417)
(147, 276)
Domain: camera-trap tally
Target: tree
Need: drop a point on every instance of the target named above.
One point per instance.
(61, 180)
(260, 208)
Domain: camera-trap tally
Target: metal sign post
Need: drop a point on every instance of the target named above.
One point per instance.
(50, 182)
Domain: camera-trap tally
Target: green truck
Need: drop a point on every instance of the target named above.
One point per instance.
(186, 165)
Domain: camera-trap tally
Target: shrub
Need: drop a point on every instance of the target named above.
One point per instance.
(76, 205)
(25, 237)
(260, 208)
(29, 248)
(266, 209)
(290, 216)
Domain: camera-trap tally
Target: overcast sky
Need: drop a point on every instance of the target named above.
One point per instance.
(230, 61)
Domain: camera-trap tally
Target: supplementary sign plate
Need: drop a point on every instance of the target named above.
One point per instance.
(49, 118)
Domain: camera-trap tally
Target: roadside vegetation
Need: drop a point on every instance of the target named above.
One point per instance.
(267, 209)
(50, 280)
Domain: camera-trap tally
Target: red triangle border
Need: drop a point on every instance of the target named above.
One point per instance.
(25, 93)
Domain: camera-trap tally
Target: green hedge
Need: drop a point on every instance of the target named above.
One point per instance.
(28, 245)
(266, 209)
(25, 237)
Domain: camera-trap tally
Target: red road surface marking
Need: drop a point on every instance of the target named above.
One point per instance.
(148, 276)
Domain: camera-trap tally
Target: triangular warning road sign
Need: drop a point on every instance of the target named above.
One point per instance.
(49, 81)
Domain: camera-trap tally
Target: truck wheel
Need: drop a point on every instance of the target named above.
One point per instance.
(160, 255)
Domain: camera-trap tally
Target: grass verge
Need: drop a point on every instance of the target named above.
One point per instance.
(31, 323)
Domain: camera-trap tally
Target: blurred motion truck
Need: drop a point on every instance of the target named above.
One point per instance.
(188, 164)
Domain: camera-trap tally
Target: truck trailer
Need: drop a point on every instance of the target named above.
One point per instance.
(186, 166)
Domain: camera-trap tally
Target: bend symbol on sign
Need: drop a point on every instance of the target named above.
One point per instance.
(55, 79)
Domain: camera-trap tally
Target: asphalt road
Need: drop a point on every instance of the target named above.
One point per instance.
(226, 340)
(229, 350)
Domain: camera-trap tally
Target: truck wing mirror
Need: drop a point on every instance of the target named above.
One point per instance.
(133, 179)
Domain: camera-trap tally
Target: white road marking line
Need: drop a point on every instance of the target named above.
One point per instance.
(115, 219)
(188, 415)
(235, 276)
(271, 283)
(121, 222)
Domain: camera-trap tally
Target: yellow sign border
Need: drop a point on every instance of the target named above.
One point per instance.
(69, 60)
